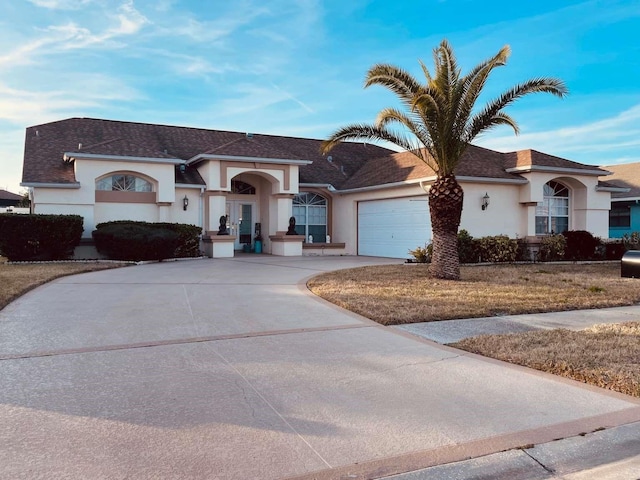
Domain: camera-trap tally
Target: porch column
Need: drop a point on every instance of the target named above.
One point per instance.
(215, 205)
(284, 211)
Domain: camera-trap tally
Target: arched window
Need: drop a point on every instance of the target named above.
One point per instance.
(121, 182)
(242, 188)
(552, 214)
(310, 211)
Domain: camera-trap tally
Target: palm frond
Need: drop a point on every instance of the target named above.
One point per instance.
(399, 81)
(483, 119)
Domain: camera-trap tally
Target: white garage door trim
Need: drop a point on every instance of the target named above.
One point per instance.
(392, 227)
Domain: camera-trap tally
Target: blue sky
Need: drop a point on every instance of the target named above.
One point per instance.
(296, 67)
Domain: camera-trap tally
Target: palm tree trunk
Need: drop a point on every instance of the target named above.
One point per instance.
(445, 206)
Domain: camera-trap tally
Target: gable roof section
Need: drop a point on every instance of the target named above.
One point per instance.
(6, 195)
(476, 162)
(531, 160)
(625, 175)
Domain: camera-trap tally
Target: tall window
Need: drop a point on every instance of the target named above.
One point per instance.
(310, 211)
(124, 183)
(552, 214)
(620, 214)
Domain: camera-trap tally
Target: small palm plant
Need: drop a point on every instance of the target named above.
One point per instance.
(439, 122)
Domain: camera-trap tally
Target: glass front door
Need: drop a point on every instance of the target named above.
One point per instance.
(240, 220)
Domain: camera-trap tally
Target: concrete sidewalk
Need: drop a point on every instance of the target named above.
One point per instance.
(232, 369)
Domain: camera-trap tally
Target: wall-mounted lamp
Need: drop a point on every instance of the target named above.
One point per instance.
(183, 167)
(485, 201)
(185, 202)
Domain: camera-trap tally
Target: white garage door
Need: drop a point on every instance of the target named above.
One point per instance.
(390, 228)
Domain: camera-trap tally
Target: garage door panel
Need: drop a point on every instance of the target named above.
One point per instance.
(392, 227)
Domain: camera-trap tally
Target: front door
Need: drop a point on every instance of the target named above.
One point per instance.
(240, 220)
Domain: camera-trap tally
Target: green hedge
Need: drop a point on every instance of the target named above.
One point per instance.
(39, 237)
(129, 240)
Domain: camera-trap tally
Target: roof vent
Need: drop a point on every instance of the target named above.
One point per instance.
(330, 159)
(249, 135)
(37, 133)
(79, 146)
(342, 169)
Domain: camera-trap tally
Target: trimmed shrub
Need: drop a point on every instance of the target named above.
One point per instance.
(552, 248)
(580, 245)
(135, 241)
(467, 248)
(39, 237)
(498, 249)
(614, 250)
(523, 254)
(110, 238)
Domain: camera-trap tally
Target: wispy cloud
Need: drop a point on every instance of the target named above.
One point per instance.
(61, 4)
(590, 142)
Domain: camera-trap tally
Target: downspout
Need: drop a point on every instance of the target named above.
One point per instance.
(201, 210)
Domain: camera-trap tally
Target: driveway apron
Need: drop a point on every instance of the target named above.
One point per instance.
(230, 368)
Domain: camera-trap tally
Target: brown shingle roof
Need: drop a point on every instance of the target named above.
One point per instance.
(46, 144)
(6, 195)
(625, 175)
(528, 158)
(352, 165)
(399, 167)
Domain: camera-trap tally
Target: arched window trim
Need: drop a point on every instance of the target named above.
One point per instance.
(124, 182)
(238, 187)
(553, 213)
(311, 211)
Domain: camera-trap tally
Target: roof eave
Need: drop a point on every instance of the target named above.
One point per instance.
(50, 185)
(71, 156)
(548, 169)
(206, 156)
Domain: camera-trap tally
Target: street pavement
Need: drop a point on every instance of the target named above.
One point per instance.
(231, 369)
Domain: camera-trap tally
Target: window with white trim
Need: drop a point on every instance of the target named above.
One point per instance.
(123, 183)
(310, 212)
(552, 214)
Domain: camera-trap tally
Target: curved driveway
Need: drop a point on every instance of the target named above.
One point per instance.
(229, 368)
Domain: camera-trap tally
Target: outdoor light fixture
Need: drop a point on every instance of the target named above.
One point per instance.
(185, 202)
(485, 201)
(182, 168)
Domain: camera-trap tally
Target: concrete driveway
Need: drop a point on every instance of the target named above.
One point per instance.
(229, 368)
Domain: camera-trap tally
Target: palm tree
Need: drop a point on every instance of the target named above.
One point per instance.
(439, 123)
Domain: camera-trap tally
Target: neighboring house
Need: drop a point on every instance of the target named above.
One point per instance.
(8, 199)
(624, 216)
(361, 199)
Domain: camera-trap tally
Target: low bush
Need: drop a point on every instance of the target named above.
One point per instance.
(552, 248)
(422, 254)
(631, 241)
(39, 237)
(580, 245)
(135, 241)
(467, 248)
(498, 249)
(130, 240)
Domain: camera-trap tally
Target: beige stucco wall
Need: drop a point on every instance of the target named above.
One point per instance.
(511, 210)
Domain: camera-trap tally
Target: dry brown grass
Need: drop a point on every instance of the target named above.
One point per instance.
(607, 356)
(396, 294)
(16, 280)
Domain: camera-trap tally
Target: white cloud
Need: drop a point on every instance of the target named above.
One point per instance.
(61, 4)
(597, 142)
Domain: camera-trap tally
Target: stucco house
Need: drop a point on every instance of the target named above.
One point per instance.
(362, 199)
(8, 199)
(624, 216)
